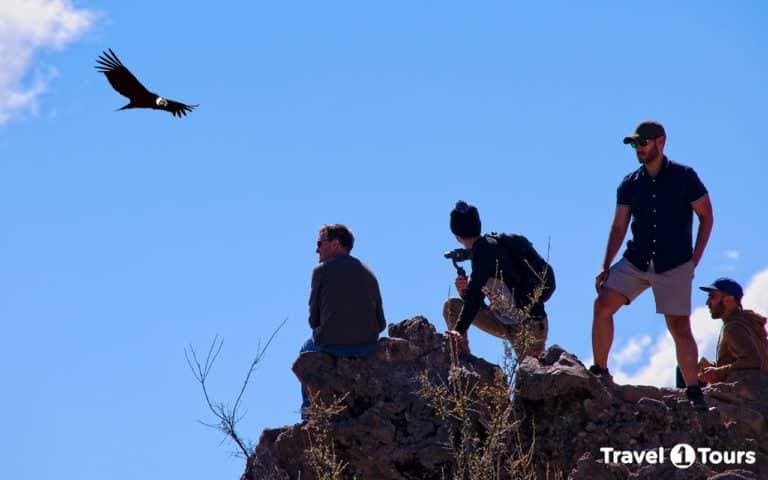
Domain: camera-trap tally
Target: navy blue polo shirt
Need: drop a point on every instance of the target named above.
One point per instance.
(662, 216)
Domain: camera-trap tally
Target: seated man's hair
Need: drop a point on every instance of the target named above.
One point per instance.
(339, 232)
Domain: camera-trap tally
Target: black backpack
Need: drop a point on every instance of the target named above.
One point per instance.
(533, 269)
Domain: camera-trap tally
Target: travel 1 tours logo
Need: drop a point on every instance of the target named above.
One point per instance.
(681, 456)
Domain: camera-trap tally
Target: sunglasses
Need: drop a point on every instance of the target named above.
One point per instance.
(641, 143)
(320, 242)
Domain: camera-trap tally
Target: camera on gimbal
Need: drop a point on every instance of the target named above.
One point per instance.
(456, 256)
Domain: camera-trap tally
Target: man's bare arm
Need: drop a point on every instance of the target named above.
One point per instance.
(703, 209)
(615, 238)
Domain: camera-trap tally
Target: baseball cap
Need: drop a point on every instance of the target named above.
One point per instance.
(646, 130)
(727, 286)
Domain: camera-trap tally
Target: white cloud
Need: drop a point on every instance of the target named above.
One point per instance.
(631, 352)
(756, 294)
(732, 254)
(659, 368)
(26, 27)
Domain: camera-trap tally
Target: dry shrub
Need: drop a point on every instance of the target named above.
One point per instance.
(485, 437)
(322, 447)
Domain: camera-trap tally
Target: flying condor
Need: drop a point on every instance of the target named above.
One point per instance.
(123, 81)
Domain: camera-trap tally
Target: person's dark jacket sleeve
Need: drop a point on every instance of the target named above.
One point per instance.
(483, 267)
(314, 299)
(380, 312)
(345, 306)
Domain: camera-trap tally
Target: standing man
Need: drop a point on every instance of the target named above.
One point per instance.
(660, 198)
(742, 344)
(345, 309)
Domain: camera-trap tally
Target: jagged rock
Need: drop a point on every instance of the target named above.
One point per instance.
(565, 377)
(633, 393)
(387, 431)
(669, 471)
(573, 417)
(734, 475)
(588, 468)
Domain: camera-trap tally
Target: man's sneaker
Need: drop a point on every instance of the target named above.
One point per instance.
(696, 397)
(601, 373)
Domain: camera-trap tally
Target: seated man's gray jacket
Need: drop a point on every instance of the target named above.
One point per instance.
(345, 303)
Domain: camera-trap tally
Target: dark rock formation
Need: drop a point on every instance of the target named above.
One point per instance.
(387, 430)
(575, 414)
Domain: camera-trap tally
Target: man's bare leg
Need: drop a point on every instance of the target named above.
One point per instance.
(607, 303)
(687, 351)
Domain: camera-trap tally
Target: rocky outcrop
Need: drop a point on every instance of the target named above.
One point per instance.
(388, 431)
(574, 414)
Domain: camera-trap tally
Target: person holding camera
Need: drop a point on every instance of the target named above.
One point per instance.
(503, 274)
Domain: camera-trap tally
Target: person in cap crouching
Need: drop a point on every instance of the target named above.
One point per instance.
(742, 344)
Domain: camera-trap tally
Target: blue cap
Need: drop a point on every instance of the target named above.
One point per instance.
(727, 286)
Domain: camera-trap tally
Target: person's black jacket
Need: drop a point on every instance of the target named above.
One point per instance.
(490, 259)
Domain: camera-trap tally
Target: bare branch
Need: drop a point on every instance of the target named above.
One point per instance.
(255, 362)
(227, 418)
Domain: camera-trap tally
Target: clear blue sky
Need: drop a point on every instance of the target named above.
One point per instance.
(125, 236)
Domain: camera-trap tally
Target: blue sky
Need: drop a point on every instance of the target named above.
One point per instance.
(128, 235)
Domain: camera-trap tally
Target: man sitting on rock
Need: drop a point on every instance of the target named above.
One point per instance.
(742, 344)
(345, 308)
(509, 281)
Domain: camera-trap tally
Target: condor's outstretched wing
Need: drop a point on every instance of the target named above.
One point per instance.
(178, 109)
(121, 79)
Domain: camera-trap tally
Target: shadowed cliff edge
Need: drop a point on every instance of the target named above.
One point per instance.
(384, 427)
